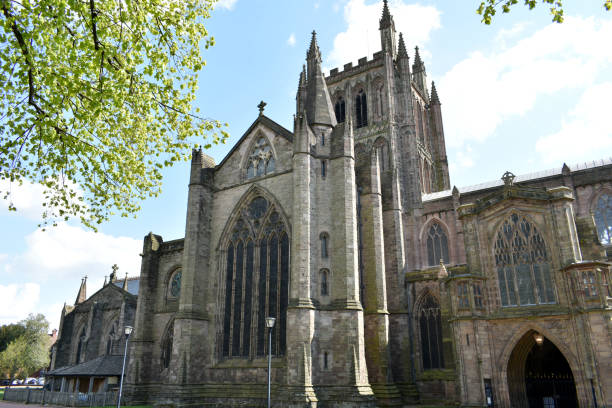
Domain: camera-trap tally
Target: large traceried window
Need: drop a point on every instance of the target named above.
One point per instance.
(523, 265)
(437, 245)
(430, 325)
(257, 282)
(603, 219)
(261, 160)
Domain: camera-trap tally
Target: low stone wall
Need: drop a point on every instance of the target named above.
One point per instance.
(68, 399)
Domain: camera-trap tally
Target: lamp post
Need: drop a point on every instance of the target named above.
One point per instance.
(128, 331)
(270, 325)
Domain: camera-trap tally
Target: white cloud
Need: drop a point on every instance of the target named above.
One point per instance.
(291, 40)
(504, 34)
(485, 90)
(585, 132)
(70, 252)
(415, 22)
(17, 301)
(226, 4)
(466, 158)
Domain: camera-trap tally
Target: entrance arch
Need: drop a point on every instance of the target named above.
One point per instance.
(539, 376)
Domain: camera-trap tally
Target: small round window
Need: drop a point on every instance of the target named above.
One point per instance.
(175, 284)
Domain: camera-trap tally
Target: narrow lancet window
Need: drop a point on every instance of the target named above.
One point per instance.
(437, 245)
(603, 219)
(431, 333)
(361, 109)
(340, 109)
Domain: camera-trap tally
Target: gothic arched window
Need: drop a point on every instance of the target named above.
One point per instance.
(174, 285)
(261, 160)
(437, 245)
(324, 282)
(110, 338)
(324, 245)
(257, 281)
(603, 219)
(167, 343)
(361, 109)
(431, 333)
(340, 109)
(522, 262)
(81, 345)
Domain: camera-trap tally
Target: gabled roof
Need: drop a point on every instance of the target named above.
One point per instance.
(102, 366)
(267, 122)
(133, 284)
(109, 287)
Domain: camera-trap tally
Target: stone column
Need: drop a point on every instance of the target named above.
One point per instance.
(300, 311)
(375, 302)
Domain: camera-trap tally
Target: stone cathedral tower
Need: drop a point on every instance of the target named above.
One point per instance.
(385, 284)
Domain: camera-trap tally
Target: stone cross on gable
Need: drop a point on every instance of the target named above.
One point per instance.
(261, 107)
(113, 275)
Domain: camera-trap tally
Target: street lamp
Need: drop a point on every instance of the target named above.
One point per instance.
(128, 331)
(270, 325)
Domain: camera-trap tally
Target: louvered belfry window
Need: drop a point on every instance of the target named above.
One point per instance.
(256, 282)
(523, 265)
(431, 333)
(361, 109)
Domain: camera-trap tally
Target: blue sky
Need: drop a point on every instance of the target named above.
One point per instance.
(522, 95)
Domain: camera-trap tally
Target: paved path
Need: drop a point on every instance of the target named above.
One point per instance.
(12, 404)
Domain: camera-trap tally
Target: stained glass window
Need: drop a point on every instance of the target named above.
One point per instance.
(261, 160)
(431, 333)
(175, 284)
(361, 109)
(589, 284)
(437, 245)
(257, 282)
(603, 219)
(523, 266)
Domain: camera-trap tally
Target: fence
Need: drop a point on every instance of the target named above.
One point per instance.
(68, 399)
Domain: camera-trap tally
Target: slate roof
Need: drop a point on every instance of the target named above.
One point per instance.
(133, 285)
(100, 366)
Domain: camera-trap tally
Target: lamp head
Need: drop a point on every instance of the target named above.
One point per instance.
(539, 339)
(128, 330)
(270, 322)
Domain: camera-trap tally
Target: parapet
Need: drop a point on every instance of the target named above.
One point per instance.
(363, 64)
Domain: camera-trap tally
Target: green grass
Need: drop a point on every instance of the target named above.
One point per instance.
(2, 393)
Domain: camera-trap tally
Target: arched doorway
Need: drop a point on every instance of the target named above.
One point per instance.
(539, 376)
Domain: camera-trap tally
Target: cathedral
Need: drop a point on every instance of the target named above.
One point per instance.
(389, 287)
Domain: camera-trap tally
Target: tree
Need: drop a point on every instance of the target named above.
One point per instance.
(488, 8)
(28, 352)
(8, 333)
(97, 99)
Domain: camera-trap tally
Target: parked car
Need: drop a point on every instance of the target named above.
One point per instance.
(5, 382)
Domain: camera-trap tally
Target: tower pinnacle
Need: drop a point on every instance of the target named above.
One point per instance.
(313, 51)
(434, 94)
(402, 47)
(386, 20)
(82, 295)
(319, 108)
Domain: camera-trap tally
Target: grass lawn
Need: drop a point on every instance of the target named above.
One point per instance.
(1, 393)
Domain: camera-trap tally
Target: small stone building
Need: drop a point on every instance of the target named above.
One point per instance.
(388, 286)
(88, 353)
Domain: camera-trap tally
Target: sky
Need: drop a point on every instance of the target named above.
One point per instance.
(523, 95)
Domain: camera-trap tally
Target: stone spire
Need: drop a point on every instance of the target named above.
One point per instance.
(300, 97)
(418, 64)
(319, 108)
(82, 295)
(387, 30)
(125, 287)
(402, 47)
(386, 20)
(434, 94)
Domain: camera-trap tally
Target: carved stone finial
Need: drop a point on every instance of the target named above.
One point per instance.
(261, 107)
(508, 178)
(113, 275)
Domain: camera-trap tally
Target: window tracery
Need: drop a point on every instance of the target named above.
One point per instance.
(522, 262)
(257, 281)
(111, 337)
(361, 109)
(431, 333)
(603, 219)
(437, 245)
(261, 160)
(340, 110)
(174, 286)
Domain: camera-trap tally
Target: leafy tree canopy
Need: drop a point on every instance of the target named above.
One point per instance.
(96, 99)
(488, 8)
(28, 352)
(8, 333)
